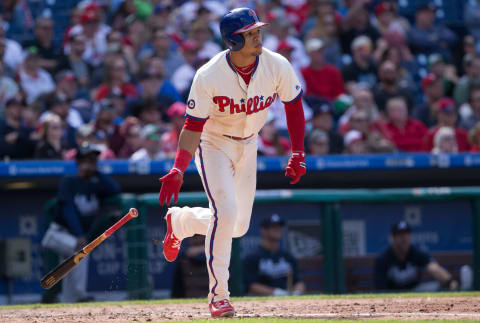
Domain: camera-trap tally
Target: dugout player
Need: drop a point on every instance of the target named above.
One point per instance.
(226, 108)
(270, 270)
(401, 265)
(79, 200)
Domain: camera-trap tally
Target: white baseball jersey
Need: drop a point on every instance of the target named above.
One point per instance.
(232, 108)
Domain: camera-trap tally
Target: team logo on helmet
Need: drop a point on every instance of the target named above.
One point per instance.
(191, 104)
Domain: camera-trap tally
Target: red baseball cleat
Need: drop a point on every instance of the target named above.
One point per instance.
(222, 308)
(171, 245)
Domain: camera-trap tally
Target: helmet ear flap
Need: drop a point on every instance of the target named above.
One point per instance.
(236, 42)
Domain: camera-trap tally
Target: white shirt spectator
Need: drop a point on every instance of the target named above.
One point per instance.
(35, 86)
(299, 57)
(142, 155)
(95, 48)
(182, 77)
(13, 56)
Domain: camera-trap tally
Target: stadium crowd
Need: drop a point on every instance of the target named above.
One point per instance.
(378, 76)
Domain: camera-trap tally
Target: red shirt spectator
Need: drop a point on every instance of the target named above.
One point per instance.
(447, 117)
(322, 80)
(406, 133)
(115, 81)
(176, 113)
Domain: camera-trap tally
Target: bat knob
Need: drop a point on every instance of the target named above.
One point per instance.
(133, 212)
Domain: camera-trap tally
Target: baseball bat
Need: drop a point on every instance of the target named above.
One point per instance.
(57, 273)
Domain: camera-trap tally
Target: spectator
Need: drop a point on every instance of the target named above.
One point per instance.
(356, 24)
(474, 138)
(322, 119)
(270, 270)
(317, 143)
(426, 112)
(106, 132)
(427, 37)
(362, 101)
(11, 53)
(152, 145)
(176, 114)
(183, 76)
(130, 130)
(406, 133)
(15, 139)
(50, 145)
(155, 86)
(471, 16)
(75, 61)
(80, 198)
(355, 143)
(115, 81)
(322, 80)
(161, 45)
(327, 30)
(8, 88)
(471, 77)
(392, 28)
(80, 104)
(401, 265)
(204, 36)
(147, 112)
(34, 80)
(446, 72)
(468, 122)
(389, 86)
(445, 141)
(50, 55)
(60, 105)
(86, 135)
(447, 117)
(95, 32)
(361, 69)
(270, 142)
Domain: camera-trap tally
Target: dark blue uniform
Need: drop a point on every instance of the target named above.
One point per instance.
(271, 269)
(394, 274)
(80, 199)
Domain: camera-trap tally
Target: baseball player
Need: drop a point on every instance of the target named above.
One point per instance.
(226, 109)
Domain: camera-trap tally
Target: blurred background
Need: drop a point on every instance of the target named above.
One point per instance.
(391, 200)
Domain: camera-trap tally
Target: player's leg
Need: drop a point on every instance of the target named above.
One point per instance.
(74, 285)
(217, 173)
(245, 186)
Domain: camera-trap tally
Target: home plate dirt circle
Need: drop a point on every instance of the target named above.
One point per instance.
(409, 308)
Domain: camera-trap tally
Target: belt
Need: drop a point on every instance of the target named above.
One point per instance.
(238, 138)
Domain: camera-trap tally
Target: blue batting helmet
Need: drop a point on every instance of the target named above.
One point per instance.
(234, 23)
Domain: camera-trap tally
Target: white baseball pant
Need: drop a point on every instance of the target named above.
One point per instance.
(228, 169)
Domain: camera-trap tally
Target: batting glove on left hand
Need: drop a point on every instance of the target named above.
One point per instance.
(171, 184)
(296, 167)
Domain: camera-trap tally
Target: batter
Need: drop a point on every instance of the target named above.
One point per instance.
(226, 108)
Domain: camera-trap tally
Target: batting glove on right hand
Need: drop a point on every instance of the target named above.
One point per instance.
(171, 184)
(296, 167)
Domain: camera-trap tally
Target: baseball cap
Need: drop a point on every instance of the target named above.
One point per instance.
(150, 131)
(427, 5)
(314, 44)
(446, 105)
(284, 45)
(428, 80)
(383, 7)
(401, 226)
(86, 149)
(272, 220)
(360, 42)
(189, 45)
(351, 136)
(176, 109)
(434, 59)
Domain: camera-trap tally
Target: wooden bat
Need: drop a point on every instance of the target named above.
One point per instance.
(57, 273)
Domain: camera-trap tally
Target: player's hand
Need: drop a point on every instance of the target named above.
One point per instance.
(296, 167)
(171, 184)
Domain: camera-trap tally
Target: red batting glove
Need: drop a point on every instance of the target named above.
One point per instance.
(171, 184)
(296, 167)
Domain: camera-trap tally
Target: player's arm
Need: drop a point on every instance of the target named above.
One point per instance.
(187, 145)
(264, 290)
(442, 275)
(296, 167)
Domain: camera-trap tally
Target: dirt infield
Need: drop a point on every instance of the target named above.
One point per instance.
(459, 307)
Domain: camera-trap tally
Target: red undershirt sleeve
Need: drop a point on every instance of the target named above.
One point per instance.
(194, 124)
(296, 124)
